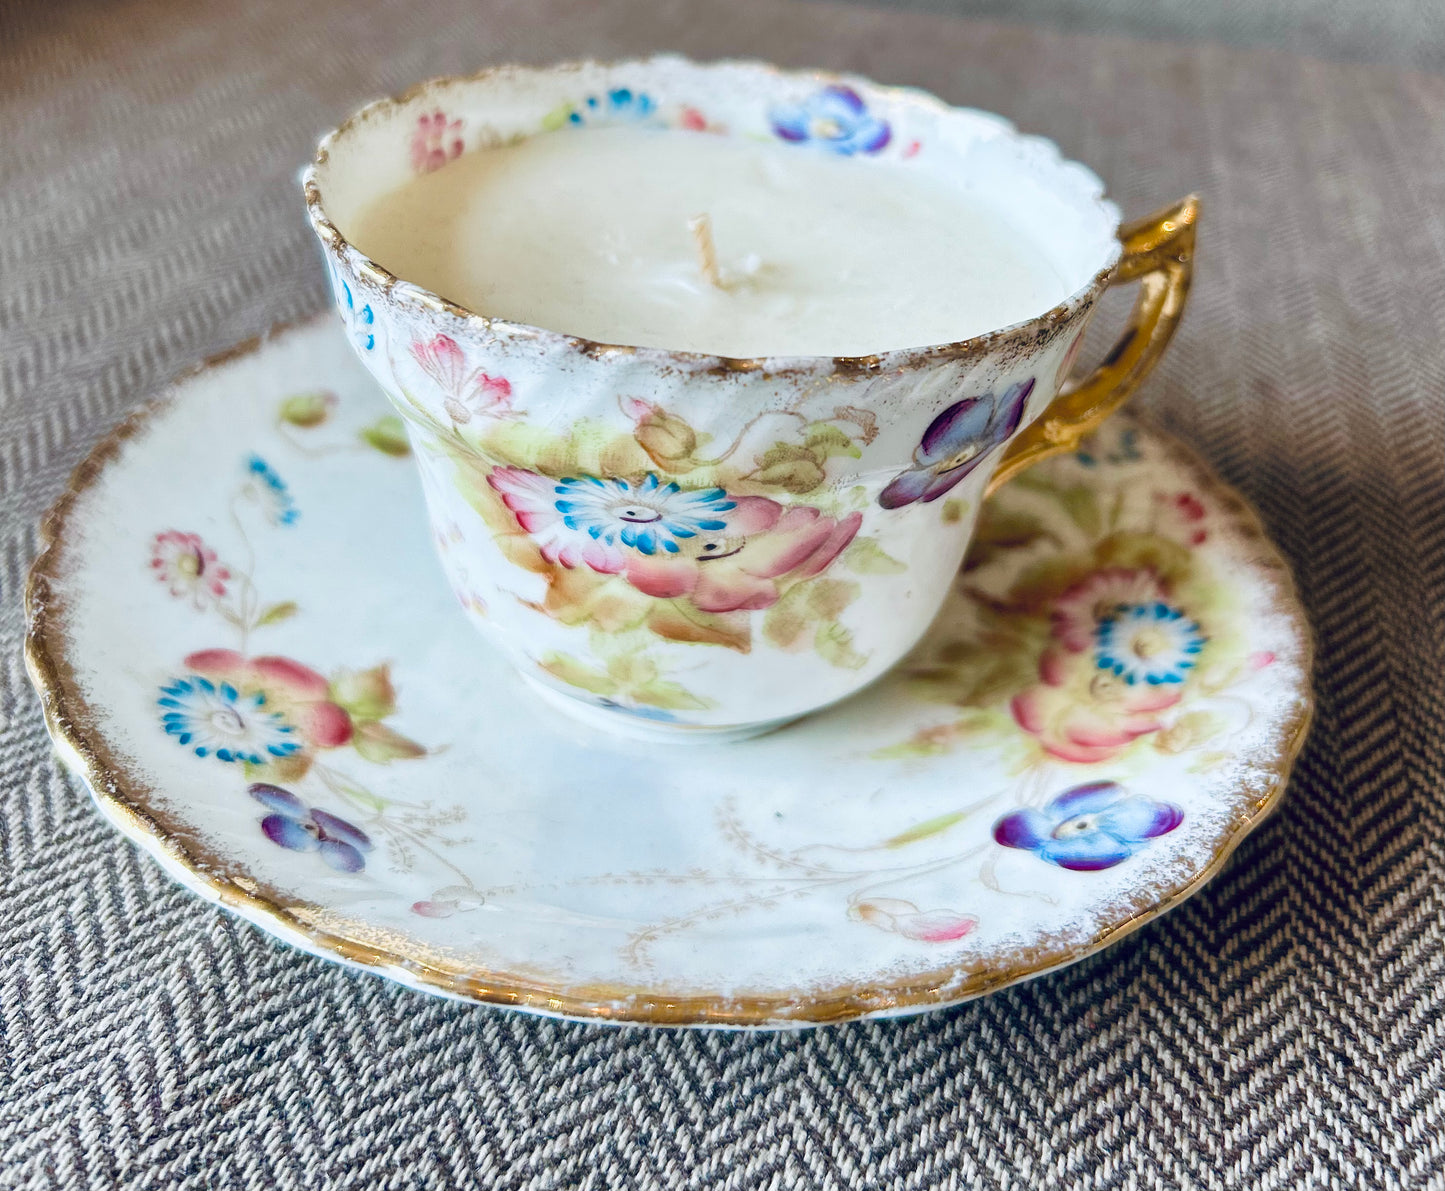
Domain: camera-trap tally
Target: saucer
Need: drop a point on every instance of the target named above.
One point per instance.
(246, 649)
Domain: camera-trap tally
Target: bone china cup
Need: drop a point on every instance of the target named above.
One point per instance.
(694, 547)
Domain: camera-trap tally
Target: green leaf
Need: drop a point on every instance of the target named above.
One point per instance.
(574, 673)
(1000, 529)
(365, 694)
(307, 409)
(794, 469)
(669, 696)
(866, 557)
(632, 670)
(277, 613)
(382, 745)
(825, 440)
(910, 750)
(787, 621)
(834, 644)
(1083, 508)
(388, 436)
(676, 620)
(1135, 551)
(558, 117)
(928, 827)
(953, 511)
(979, 674)
(827, 598)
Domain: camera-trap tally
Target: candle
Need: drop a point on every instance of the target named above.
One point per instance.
(732, 246)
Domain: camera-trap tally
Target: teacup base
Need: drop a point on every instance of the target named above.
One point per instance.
(621, 722)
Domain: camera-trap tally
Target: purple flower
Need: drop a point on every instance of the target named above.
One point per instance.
(956, 442)
(836, 119)
(1089, 827)
(294, 826)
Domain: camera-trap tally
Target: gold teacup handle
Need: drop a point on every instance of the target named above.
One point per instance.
(1159, 254)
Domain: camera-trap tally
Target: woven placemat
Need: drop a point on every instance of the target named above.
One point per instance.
(1281, 1030)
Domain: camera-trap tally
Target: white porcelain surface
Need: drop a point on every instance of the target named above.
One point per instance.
(843, 488)
(902, 850)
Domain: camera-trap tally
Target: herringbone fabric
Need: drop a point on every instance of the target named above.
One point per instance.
(1281, 1030)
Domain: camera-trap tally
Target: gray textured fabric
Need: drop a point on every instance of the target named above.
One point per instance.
(1403, 32)
(1282, 1029)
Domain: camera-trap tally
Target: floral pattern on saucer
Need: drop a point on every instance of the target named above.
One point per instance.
(289, 711)
(1124, 638)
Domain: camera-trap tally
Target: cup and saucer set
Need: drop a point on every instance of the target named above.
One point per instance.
(797, 689)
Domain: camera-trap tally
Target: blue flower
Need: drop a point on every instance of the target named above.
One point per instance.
(621, 103)
(1149, 643)
(641, 712)
(362, 321)
(648, 516)
(292, 825)
(214, 719)
(835, 118)
(1089, 827)
(584, 519)
(956, 442)
(270, 489)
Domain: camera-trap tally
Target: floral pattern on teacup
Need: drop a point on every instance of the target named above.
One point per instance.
(836, 119)
(435, 141)
(467, 390)
(359, 317)
(653, 535)
(956, 442)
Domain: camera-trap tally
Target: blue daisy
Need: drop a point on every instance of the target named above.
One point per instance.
(619, 104)
(216, 720)
(361, 319)
(270, 489)
(1148, 643)
(647, 516)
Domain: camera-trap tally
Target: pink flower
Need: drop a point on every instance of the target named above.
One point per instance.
(298, 692)
(435, 141)
(1184, 516)
(904, 918)
(723, 552)
(1077, 613)
(345, 710)
(1081, 713)
(737, 568)
(468, 390)
(186, 565)
(448, 900)
(694, 120)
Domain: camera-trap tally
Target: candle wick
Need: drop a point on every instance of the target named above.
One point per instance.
(701, 228)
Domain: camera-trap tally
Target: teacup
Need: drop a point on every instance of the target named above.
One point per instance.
(821, 505)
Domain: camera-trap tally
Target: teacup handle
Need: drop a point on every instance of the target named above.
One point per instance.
(1159, 254)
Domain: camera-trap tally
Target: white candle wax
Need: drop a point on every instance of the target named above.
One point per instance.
(592, 233)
